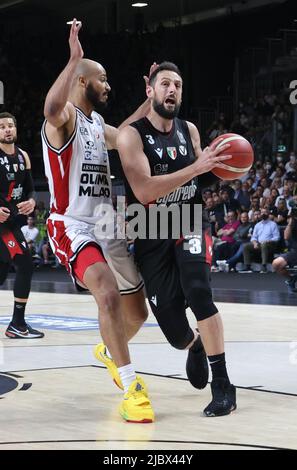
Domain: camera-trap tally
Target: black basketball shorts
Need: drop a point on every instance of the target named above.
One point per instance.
(177, 269)
(12, 242)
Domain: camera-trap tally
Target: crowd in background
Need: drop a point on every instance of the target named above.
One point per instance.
(248, 216)
(256, 120)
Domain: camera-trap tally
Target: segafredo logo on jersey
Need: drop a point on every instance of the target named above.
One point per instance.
(293, 95)
(1, 92)
(184, 193)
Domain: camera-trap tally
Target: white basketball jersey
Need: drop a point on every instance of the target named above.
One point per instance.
(79, 173)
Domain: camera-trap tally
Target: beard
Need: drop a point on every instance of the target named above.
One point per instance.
(93, 97)
(8, 140)
(165, 113)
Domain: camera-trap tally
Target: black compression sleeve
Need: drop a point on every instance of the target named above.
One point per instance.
(28, 186)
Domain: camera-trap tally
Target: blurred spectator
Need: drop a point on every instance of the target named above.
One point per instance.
(291, 183)
(256, 217)
(285, 196)
(216, 198)
(207, 193)
(241, 194)
(286, 260)
(278, 173)
(216, 129)
(280, 213)
(210, 209)
(241, 236)
(275, 193)
(266, 186)
(227, 204)
(290, 165)
(264, 241)
(269, 203)
(30, 233)
(277, 184)
(255, 206)
(41, 215)
(226, 235)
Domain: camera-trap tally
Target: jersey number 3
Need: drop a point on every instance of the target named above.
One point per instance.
(195, 246)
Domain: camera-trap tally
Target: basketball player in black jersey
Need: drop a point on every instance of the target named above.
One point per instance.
(163, 161)
(16, 197)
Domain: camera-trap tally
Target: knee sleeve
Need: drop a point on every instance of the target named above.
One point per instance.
(4, 269)
(24, 271)
(197, 291)
(174, 324)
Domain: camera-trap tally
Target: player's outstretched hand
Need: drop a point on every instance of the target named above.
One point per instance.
(209, 158)
(76, 51)
(152, 68)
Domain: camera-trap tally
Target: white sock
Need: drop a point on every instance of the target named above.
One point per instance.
(127, 375)
(107, 353)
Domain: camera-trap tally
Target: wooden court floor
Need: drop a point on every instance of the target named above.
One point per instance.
(54, 395)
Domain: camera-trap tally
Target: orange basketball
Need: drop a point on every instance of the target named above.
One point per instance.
(242, 156)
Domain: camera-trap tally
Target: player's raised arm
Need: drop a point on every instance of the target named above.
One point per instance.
(57, 109)
(111, 133)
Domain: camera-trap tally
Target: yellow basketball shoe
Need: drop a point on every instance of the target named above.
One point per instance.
(100, 354)
(136, 406)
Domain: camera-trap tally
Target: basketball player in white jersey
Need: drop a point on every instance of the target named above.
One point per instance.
(75, 142)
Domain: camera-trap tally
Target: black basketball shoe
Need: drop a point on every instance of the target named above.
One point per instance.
(197, 366)
(23, 332)
(223, 398)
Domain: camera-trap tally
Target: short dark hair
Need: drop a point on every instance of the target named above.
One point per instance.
(6, 115)
(164, 66)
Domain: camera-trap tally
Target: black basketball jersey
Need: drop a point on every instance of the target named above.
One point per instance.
(168, 153)
(12, 179)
